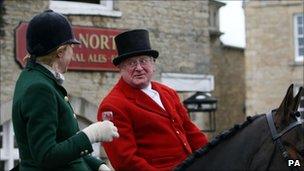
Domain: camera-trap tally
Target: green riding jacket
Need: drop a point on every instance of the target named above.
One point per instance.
(45, 126)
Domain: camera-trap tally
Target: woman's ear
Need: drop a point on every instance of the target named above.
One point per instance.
(60, 53)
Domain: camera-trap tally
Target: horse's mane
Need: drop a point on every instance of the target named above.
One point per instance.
(215, 141)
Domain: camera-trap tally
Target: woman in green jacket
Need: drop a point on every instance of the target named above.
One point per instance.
(45, 126)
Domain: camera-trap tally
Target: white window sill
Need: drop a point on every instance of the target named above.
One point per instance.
(181, 82)
(297, 63)
(299, 60)
(78, 8)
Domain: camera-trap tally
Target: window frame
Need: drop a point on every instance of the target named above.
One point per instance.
(82, 8)
(8, 153)
(298, 58)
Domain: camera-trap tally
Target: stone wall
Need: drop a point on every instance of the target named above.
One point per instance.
(229, 77)
(270, 60)
(13, 13)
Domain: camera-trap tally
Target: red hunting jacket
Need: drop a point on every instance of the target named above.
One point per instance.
(151, 138)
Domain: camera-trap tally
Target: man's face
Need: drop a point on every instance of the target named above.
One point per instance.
(137, 71)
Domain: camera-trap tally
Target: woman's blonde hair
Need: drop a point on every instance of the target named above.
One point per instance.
(49, 58)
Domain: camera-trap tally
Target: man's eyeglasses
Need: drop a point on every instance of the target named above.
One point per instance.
(143, 61)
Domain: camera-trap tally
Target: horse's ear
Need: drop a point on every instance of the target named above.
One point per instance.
(297, 99)
(283, 112)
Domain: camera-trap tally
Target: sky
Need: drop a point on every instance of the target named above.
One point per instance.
(232, 23)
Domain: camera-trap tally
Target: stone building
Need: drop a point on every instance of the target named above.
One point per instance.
(244, 81)
(186, 34)
(178, 30)
(274, 52)
(229, 73)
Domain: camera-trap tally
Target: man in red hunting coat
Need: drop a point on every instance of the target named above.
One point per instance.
(155, 130)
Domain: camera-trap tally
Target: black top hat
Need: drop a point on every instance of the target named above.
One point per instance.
(46, 32)
(133, 43)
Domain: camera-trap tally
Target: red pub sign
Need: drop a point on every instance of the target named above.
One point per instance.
(95, 53)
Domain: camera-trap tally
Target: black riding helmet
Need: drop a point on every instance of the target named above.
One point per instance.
(46, 32)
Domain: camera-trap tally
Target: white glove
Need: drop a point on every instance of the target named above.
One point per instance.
(101, 131)
(104, 167)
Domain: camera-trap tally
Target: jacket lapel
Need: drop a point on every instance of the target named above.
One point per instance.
(141, 99)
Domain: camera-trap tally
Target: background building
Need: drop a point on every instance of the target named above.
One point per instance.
(227, 66)
(185, 33)
(274, 52)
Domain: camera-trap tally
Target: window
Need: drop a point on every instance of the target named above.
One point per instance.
(85, 7)
(299, 37)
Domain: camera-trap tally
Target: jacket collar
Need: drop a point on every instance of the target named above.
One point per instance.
(143, 100)
(37, 67)
(58, 76)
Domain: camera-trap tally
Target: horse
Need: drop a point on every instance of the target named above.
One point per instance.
(272, 141)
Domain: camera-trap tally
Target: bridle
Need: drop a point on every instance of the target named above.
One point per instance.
(276, 137)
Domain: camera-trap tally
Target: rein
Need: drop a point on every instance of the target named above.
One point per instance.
(276, 137)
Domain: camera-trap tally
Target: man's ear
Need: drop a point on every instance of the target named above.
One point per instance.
(119, 66)
(153, 65)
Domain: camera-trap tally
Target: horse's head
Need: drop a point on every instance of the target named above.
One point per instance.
(290, 127)
(249, 147)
